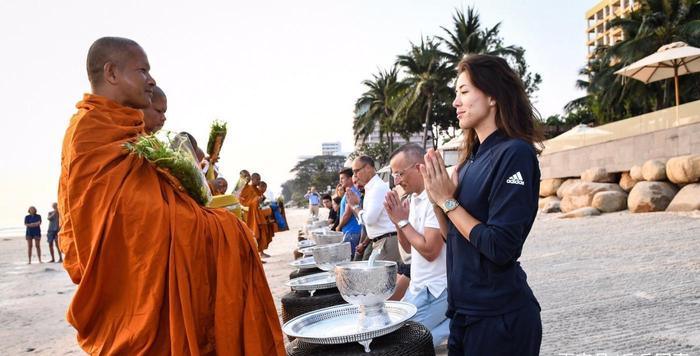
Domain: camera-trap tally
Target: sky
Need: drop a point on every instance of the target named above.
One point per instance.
(283, 74)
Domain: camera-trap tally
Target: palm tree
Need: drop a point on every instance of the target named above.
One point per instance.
(656, 23)
(427, 73)
(376, 106)
(469, 37)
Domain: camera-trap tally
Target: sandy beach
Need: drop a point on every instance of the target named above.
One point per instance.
(619, 282)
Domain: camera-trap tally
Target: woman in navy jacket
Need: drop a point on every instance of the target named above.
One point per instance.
(486, 209)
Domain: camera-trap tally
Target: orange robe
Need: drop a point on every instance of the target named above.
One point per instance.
(255, 218)
(157, 274)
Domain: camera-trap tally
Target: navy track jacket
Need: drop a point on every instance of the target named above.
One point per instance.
(499, 186)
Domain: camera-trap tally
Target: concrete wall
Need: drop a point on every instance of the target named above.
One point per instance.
(621, 154)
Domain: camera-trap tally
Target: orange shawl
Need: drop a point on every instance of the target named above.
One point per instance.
(157, 274)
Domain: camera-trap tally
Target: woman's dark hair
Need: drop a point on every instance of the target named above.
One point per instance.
(515, 115)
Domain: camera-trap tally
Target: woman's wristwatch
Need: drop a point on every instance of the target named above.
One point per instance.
(449, 205)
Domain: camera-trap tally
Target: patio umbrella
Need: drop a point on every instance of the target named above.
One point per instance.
(670, 61)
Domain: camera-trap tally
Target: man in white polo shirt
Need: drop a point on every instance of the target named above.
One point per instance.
(380, 230)
(419, 232)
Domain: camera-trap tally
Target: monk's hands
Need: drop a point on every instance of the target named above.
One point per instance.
(395, 208)
(352, 198)
(438, 183)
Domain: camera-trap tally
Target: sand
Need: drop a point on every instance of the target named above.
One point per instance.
(34, 298)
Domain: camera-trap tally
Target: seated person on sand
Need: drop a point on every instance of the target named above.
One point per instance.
(156, 272)
(154, 115)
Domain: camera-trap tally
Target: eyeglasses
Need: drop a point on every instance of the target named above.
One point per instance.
(402, 173)
(355, 171)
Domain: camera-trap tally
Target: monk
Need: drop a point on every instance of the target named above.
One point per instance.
(157, 274)
(267, 225)
(250, 198)
(243, 180)
(154, 115)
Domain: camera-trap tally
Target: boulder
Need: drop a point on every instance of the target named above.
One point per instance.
(565, 186)
(627, 182)
(549, 186)
(650, 196)
(550, 204)
(597, 174)
(687, 199)
(608, 202)
(636, 173)
(544, 201)
(683, 169)
(581, 194)
(580, 213)
(654, 170)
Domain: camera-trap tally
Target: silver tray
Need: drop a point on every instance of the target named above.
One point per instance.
(307, 251)
(340, 324)
(304, 263)
(313, 282)
(305, 243)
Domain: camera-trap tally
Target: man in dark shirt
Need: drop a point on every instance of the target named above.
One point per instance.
(52, 233)
(33, 223)
(328, 203)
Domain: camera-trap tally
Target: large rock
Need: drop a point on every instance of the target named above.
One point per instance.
(636, 173)
(549, 186)
(651, 196)
(597, 174)
(566, 186)
(627, 182)
(687, 199)
(581, 194)
(550, 204)
(683, 169)
(580, 213)
(608, 202)
(654, 170)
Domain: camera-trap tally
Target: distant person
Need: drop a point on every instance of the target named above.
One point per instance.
(33, 223)
(154, 115)
(327, 202)
(251, 197)
(52, 232)
(348, 223)
(486, 210)
(372, 215)
(314, 200)
(336, 208)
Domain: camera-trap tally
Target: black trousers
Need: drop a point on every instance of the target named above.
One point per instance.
(515, 333)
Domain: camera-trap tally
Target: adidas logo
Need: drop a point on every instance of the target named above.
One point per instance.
(516, 179)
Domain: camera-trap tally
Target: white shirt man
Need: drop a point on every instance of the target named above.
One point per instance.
(372, 215)
(419, 233)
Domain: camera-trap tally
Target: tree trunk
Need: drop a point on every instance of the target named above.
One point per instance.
(427, 121)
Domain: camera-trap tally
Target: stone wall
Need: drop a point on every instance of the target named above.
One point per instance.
(619, 155)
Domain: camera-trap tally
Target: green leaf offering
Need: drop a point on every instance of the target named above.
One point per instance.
(218, 130)
(176, 156)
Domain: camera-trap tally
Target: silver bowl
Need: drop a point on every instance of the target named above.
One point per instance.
(329, 255)
(368, 287)
(324, 237)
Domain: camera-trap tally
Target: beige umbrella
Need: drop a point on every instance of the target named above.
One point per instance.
(670, 61)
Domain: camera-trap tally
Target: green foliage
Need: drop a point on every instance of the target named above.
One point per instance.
(611, 97)
(319, 171)
(177, 159)
(422, 98)
(379, 152)
(218, 128)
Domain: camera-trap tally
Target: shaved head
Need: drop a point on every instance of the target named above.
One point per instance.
(107, 50)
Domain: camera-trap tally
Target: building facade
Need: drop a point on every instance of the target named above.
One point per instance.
(330, 148)
(374, 138)
(598, 30)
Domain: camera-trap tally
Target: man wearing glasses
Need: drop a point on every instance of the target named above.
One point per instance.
(380, 230)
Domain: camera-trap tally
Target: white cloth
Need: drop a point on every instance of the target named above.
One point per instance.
(373, 215)
(424, 273)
